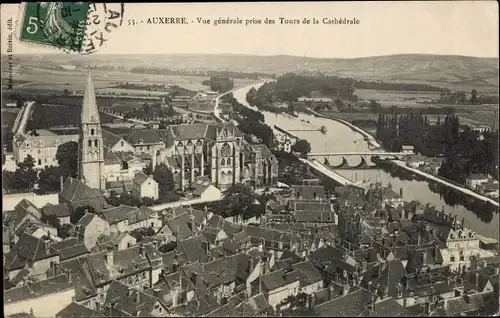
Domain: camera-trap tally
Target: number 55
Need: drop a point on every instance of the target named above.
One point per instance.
(32, 27)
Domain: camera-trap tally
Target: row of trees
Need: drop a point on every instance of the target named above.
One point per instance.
(252, 122)
(465, 152)
(220, 84)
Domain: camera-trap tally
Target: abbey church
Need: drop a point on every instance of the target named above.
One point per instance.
(107, 160)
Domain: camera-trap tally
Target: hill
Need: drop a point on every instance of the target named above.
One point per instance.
(440, 70)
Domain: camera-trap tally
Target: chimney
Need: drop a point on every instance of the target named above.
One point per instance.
(109, 258)
(142, 251)
(191, 222)
(61, 181)
(251, 265)
(137, 299)
(47, 247)
(424, 257)
(194, 276)
(401, 192)
(261, 247)
(374, 300)
(331, 291)
(477, 279)
(68, 274)
(206, 246)
(156, 292)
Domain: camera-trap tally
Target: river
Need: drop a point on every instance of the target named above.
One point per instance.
(342, 138)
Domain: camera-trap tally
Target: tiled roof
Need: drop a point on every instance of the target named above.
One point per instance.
(32, 248)
(140, 178)
(48, 139)
(200, 185)
(350, 305)
(308, 274)
(131, 301)
(110, 139)
(308, 191)
(27, 206)
(74, 190)
(269, 235)
(265, 152)
(75, 310)
(37, 289)
(193, 249)
(278, 279)
(69, 248)
(118, 214)
(59, 210)
(147, 136)
(388, 307)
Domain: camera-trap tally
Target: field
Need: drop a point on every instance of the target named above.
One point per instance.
(398, 98)
(8, 118)
(36, 77)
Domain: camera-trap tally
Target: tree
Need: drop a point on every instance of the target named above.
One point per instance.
(473, 96)
(165, 179)
(51, 220)
(170, 246)
(79, 212)
(49, 180)
(24, 177)
(67, 157)
(148, 170)
(302, 146)
(66, 230)
(140, 233)
(239, 199)
(338, 102)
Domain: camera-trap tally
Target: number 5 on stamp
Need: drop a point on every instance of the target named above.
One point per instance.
(56, 24)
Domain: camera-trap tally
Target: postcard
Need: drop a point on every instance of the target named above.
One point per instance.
(250, 159)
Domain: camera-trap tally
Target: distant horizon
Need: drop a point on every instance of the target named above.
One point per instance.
(258, 55)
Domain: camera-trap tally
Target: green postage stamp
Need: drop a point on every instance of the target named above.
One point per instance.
(56, 24)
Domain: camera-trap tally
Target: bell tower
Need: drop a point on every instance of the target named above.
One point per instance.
(91, 153)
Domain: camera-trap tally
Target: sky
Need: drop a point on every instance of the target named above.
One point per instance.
(467, 28)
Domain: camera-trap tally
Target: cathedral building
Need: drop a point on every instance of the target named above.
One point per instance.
(110, 161)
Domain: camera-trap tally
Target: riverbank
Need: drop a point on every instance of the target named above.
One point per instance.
(368, 138)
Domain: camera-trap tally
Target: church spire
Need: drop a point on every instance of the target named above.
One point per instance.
(90, 112)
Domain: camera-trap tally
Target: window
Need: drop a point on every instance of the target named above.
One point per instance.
(452, 258)
(90, 143)
(45, 160)
(228, 161)
(39, 151)
(122, 143)
(461, 258)
(39, 161)
(141, 141)
(222, 162)
(96, 143)
(149, 147)
(92, 132)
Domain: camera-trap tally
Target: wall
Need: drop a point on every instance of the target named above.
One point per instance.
(9, 201)
(312, 288)
(276, 296)
(45, 306)
(181, 203)
(94, 229)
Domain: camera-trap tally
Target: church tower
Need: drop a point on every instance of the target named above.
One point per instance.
(91, 154)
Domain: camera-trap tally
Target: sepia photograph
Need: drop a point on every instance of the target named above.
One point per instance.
(291, 159)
